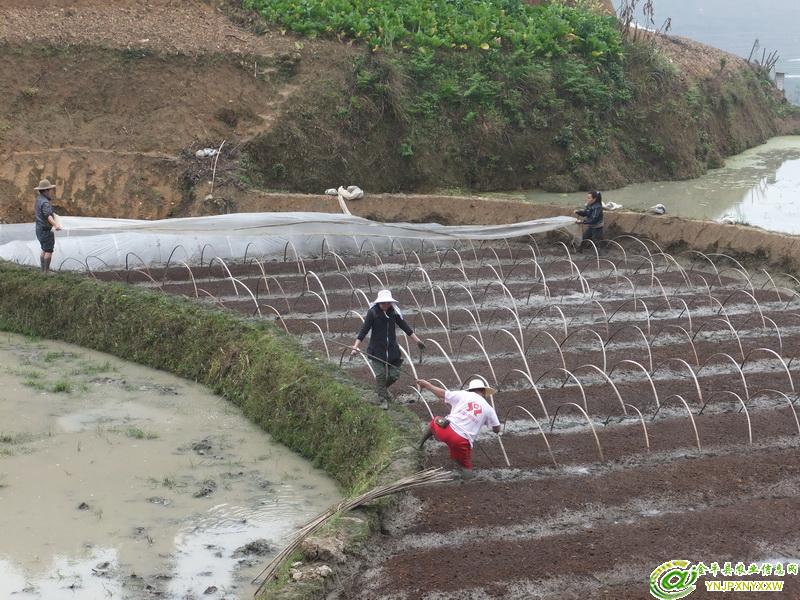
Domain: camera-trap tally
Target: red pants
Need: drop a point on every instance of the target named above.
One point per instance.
(460, 450)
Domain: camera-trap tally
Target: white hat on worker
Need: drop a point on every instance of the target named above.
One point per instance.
(480, 384)
(384, 296)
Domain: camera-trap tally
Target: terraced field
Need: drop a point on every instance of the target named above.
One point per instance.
(648, 403)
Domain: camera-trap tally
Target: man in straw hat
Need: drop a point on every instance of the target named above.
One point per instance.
(45, 222)
(381, 321)
(469, 411)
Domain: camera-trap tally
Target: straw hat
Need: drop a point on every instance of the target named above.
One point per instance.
(384, 296)
(44, 184)
(480, 384)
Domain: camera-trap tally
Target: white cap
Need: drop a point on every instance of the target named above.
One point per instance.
(480, 384)
(384, 296)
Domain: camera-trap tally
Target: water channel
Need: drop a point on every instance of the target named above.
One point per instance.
(760, 187)
(119, 481)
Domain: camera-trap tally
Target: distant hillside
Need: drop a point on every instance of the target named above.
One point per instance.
(107, 100)
(504, 96)
(734, 25)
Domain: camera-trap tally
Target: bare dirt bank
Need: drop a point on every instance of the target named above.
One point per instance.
(148, 25)
(776, 249)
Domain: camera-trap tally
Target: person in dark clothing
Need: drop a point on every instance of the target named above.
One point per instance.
(381, 321)
(592, 219)
(45, 222)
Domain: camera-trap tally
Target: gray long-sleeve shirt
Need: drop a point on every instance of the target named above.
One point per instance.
(43, 210)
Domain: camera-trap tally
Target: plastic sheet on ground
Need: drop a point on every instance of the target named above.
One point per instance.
(97, 244)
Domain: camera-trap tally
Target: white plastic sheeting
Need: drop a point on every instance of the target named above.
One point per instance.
(98, 244)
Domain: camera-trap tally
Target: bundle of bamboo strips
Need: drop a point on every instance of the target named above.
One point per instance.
(425, 477)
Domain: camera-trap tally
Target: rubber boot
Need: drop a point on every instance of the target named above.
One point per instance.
(391, 378)
(383, 397)
(41, 263)
(380, 387)
(466, 474)
(47, 264)
(428, 435)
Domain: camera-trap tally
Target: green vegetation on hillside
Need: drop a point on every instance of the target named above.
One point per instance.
(494, 94)
(476, 57)
(455, 75)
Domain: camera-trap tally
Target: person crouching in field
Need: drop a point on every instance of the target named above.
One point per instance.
(381, 322)
(469, 411)
(592, 219)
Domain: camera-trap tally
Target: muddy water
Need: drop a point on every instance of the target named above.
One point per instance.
(760, 187)
(121, 481)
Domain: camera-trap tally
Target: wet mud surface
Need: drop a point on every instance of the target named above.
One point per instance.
(124, 482)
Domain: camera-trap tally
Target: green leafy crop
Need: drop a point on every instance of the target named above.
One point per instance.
(547, 30)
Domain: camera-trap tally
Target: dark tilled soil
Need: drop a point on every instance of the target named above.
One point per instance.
(596, 548)
(589, 527)
(723, 478)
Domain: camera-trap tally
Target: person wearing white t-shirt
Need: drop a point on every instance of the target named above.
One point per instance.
(469, 412)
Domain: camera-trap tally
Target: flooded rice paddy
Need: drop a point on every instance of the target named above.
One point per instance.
(118, 481)
(760, 187)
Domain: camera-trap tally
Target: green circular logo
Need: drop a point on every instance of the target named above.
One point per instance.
(673, 580)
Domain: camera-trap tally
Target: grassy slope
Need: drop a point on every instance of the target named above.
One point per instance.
(304, 403)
